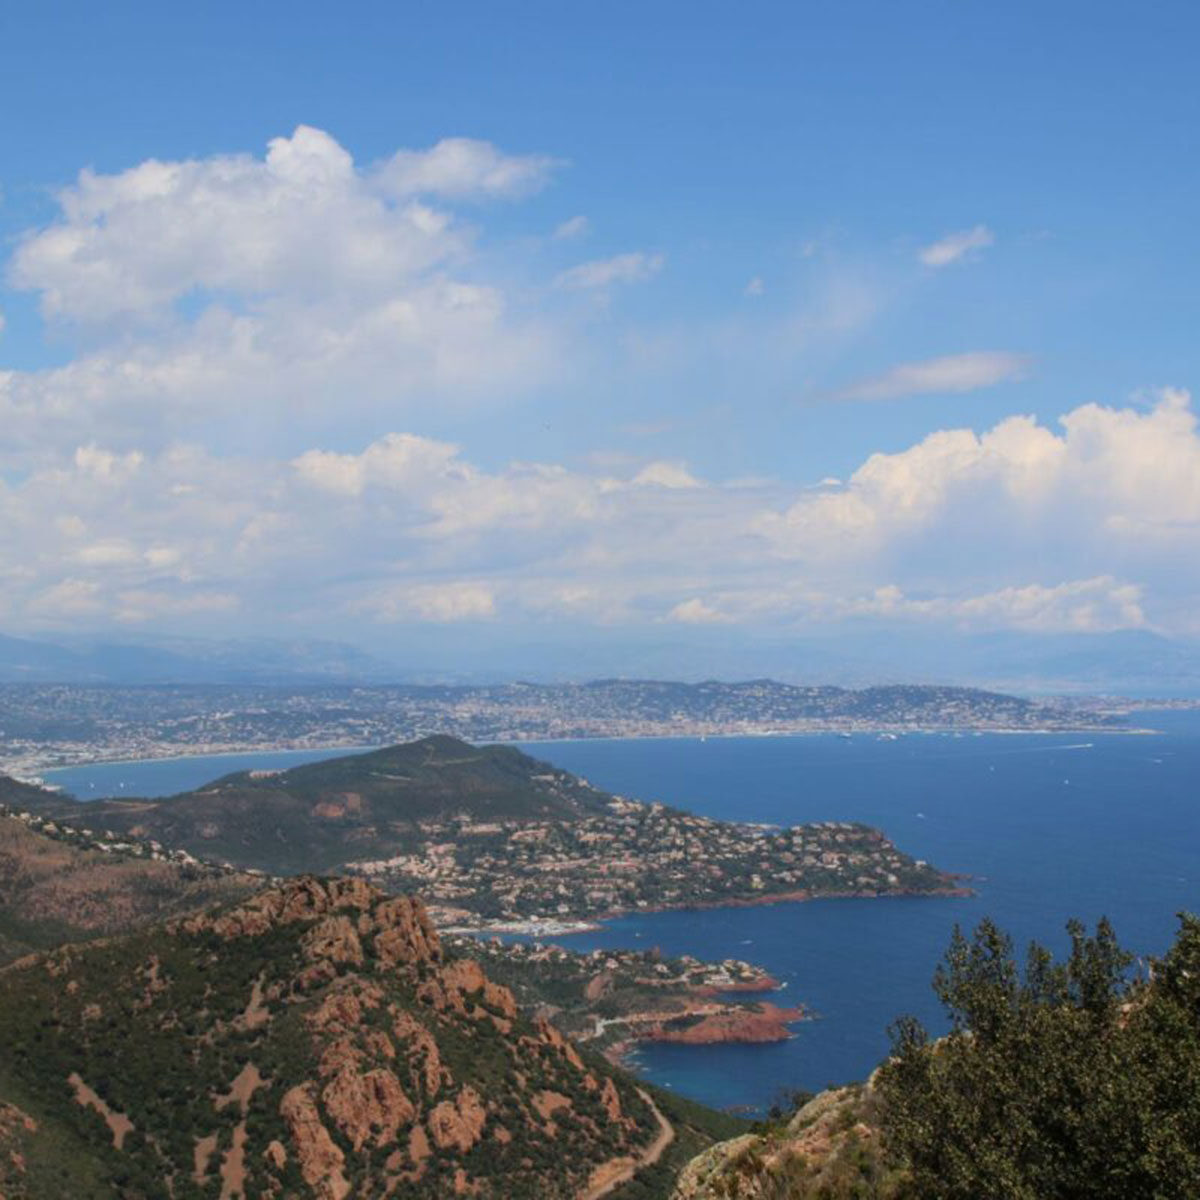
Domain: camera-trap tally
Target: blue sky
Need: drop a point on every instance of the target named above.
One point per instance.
(604, 320)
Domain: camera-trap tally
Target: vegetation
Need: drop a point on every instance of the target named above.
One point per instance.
(1063, 1080)
(59, 885)
(1067, 1080)
(494, 834)
(314, 1041)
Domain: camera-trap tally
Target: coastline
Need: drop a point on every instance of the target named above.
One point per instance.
(569, 927)
(801, 896)
(36, 764)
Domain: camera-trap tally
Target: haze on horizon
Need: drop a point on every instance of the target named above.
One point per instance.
(456, 330)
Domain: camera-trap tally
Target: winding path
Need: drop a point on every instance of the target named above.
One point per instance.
(611, 1175)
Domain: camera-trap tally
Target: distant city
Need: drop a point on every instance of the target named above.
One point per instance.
(43, 726)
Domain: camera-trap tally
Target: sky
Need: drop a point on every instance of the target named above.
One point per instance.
(474, 325)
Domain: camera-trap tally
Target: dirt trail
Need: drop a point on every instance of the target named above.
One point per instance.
(607, 1178)
(118, 1123)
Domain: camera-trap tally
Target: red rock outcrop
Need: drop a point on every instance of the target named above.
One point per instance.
(321, 1160)
(754, 1023)
(458, 1125)
(368, 1107)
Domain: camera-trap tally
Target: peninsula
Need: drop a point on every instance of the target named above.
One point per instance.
(491, 836)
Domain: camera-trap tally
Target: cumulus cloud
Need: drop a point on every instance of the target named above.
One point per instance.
(951, 374)
(396, 461)
(1089, 524)
(1080, 606)
(666, 475)
(1116, 486)
(209, 288)
(459, 601)
(461, 168)
(634, 267)
(955, 247)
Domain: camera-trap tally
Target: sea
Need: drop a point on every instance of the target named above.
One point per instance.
(1047, 826)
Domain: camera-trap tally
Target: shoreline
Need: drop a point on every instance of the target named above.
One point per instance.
(37, 765)
(801, 896)
(576, 927)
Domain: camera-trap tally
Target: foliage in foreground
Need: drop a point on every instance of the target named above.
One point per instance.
(1064, 1080)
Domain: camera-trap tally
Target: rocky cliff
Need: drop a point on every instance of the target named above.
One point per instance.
(315, 1041)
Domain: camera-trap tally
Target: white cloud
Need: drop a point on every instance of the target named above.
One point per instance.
(72, 596)
(955, 247)
(1116, 486)
(297, 285)
(301, 221)
(959, 527)
(396, 461)
(460, 601)
(954, 373)
(696, 612)
(634, 267)
(665, 475)
(140, 605)
(1082, 606)
(573, 227)
(464, 168)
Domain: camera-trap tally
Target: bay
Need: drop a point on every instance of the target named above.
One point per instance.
(1048, 826)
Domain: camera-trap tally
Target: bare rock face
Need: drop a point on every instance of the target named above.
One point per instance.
(368, 1107)
(321, 1161)
(334, 939)
(458, 1125)
(611, 1100)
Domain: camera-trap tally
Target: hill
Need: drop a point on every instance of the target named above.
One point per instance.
(489, 833)
(59, 885)
(319, 816)
(44, 726)
(313, 1041)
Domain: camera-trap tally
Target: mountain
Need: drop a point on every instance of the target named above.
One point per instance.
(314, 1041)
(1132, 662)
(186, 661)
(58, 885)
(490, 834)
(320, 816)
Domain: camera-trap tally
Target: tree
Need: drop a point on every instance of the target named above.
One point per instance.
(1064, 1080)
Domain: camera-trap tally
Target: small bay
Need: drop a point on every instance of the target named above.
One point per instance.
(1048, 826)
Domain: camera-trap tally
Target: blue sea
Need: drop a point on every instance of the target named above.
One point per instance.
(1047, 826)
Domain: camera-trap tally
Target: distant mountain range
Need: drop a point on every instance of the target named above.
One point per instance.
(181, 660)
(1131, 662)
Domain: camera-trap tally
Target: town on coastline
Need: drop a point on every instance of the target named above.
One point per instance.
(44, 726)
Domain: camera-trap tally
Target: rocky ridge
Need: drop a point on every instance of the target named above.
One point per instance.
(315, 1040)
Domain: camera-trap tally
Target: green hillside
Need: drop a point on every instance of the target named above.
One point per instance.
(315, 1041)
(319, 816)
(62, 887)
